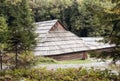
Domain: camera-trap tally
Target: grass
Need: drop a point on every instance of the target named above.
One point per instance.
(78, 61)
(46, 60)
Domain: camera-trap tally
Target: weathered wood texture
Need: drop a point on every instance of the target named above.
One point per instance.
(105, 49)
(70, 56)
(57, 28)
(56, 40)
(79, 55)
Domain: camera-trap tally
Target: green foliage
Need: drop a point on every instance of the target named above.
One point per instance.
(89, 23)
(75, 14)
(110, 19)
(3, 33)
(25, 60)
(45, 60)
(98, 54)
(3, 25)
(78, 61)
(20, 26)
(92, 53)
(3, 36)
(71, 74)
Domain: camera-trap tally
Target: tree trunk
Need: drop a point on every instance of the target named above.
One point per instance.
(16, 57)
(1, 61)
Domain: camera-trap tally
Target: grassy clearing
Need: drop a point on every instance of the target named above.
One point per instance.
(46, 60)
(78, 61)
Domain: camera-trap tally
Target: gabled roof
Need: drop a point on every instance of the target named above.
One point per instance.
(56, 42)
(63, 42)
(43, 27)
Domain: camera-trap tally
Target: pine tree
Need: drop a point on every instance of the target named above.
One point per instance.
(110, 19)
(113, 15)
(3, 37)
(3, 30)
(21, 28)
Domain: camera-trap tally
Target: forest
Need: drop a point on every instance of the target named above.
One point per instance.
(76, 15)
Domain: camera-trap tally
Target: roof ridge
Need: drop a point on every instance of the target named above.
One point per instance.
(47, 21)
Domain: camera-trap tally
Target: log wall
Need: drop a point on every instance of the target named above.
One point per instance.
(70, 56)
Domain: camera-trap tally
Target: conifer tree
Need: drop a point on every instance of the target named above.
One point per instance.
(110, 19)
(21, 28)
(3, 37)
(113, 15)
(3, 30)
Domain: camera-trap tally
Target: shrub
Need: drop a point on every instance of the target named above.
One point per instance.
(94, 54)
(71, 74)
(25, 59)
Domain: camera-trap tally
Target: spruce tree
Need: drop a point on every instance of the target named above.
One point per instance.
(3, 30)
(3, 37)
(21, 28)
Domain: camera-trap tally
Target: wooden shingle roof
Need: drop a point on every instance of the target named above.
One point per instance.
(56, 42)
(43, 27)
(95, 43)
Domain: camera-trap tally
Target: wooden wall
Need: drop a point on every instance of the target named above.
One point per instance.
(70, 56)
(78, 55)
(105, 49)
(57, 28)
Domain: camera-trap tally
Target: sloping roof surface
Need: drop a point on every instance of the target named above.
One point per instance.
(43, 27)
(55, 43)
(62, 42)
(96, 43)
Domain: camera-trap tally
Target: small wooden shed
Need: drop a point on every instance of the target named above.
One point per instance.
(58, 43)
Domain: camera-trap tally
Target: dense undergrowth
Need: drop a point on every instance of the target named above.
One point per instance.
(71, 74)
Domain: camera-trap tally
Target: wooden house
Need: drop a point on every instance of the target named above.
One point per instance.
(58, 43)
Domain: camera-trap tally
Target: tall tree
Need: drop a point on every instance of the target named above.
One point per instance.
(3, 37)
(110, 19)
(20, 26)
(74, 14)
(113, 16)
(71, 16)
(3, 29)
(89, 23)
